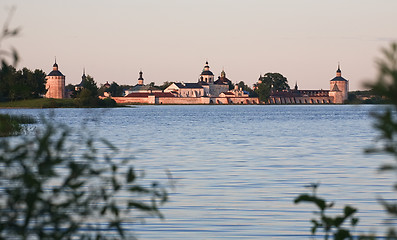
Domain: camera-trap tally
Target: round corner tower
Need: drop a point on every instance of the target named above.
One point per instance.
(339, 87)
(55, 84)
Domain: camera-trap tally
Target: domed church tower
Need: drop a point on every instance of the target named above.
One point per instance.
(339, 87)
(140, 79)
(206, 75)
(55, 84)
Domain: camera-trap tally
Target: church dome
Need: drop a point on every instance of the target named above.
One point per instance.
(55, 71)
(207, 72)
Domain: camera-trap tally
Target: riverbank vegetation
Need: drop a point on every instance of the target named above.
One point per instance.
(11, 125)
(61, 103)
(366, 97)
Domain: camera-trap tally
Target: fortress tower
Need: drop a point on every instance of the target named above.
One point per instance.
(206, 75)
(339, 87)
(55, 84)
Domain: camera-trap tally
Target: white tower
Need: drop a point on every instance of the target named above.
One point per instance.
(55, 84)
(339, 87)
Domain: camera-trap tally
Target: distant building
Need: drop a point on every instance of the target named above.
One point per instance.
(79, 86)
(186, 89)
(55, 84)
(205, 87)
(339, 89)
(141, 88)
(204, 91)
(106, 85)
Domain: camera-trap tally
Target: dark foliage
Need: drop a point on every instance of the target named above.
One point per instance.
(271, 82)
(115, 90)
(386, 122)
(331, 225)
(51, 190)
(21, 84)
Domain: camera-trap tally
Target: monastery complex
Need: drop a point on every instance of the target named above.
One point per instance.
(207, 90)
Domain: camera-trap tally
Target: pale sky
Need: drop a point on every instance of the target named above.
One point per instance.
(170, 40)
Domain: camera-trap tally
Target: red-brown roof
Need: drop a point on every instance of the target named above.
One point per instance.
(143, 95)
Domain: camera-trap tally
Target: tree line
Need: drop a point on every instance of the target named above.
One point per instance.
(21, 84)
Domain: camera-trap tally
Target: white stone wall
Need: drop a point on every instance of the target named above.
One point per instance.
(343, 87)
(216, 89)
(55, 87)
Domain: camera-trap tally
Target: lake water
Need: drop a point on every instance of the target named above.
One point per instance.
(238, 168)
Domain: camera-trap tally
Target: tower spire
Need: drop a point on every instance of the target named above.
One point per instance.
(55, 66)
(83, 77)
(338, 72)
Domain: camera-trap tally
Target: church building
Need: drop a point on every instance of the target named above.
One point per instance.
(205, 87)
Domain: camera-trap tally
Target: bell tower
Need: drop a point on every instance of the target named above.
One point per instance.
(140, 79)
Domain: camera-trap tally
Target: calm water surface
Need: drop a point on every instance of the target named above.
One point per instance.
(239, 168)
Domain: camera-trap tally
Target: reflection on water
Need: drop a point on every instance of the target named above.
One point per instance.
(238, 168)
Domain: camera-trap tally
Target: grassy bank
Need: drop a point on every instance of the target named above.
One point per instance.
(58, 103)
(12, 125)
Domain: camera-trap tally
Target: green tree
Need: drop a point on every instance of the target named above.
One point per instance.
(52, 190)
(21, 84)
(263, 91)
(271, 82)
(243, 86)
(115, 90)
(38, 83)
(89, 84)
(276, 81)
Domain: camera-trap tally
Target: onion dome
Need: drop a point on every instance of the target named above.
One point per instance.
(140, 75)
(55, 71)
(206, 71)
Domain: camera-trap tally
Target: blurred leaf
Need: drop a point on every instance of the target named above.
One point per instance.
(307, 198)
(342, 234)
(130, 175)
